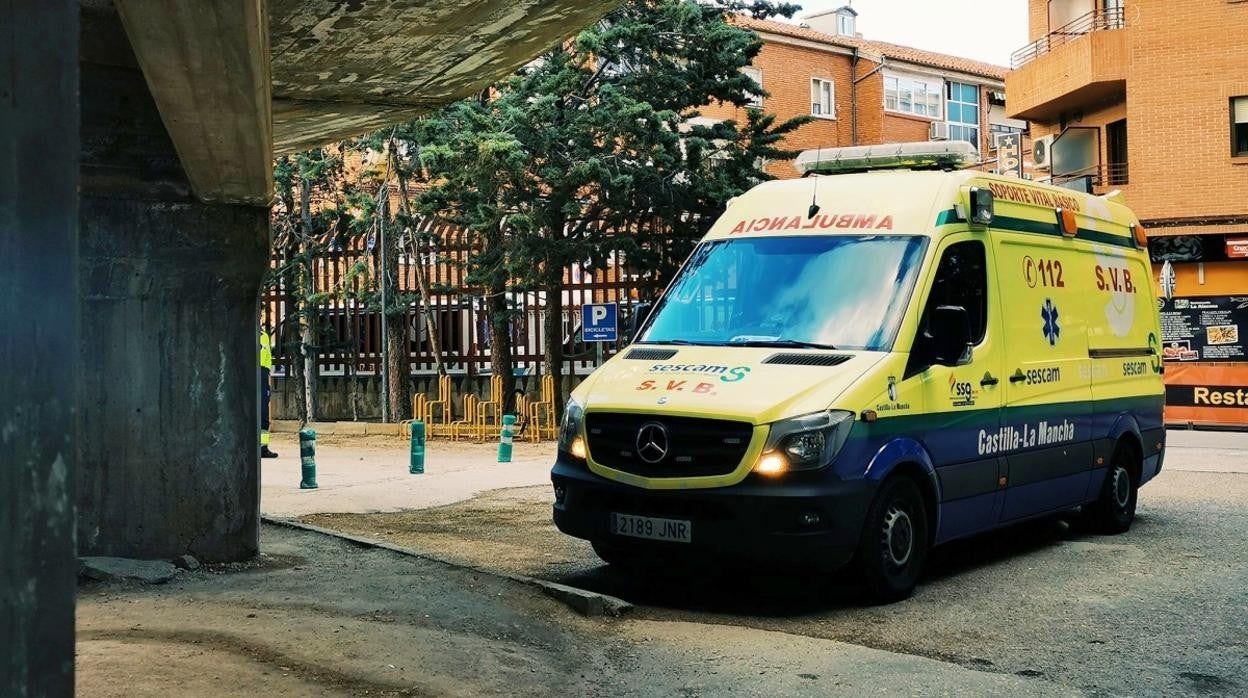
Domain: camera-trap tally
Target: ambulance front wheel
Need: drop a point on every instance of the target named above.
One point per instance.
(619, 556)
(1114, 509)
(894, 541)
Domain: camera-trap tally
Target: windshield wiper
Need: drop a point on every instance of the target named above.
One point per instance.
(780, 343)
(681, 343)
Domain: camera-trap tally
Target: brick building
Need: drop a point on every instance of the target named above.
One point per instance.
(862, 92)
(1151, 98)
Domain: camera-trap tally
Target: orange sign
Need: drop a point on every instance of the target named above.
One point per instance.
(1237, 247)
(1207, 394)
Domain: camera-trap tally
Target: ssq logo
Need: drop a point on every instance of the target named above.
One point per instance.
(962, 393)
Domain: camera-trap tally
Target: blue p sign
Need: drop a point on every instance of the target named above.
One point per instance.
(599, 322)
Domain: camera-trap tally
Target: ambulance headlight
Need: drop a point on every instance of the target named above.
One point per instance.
(571, 441)
(807, 442)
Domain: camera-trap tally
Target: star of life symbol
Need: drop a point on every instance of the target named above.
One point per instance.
(1051, 329)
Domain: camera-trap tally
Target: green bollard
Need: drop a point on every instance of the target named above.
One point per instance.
(418, 449)
(307, 454)
(504, 439)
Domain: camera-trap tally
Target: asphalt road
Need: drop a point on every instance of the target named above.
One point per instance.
(1159, 610)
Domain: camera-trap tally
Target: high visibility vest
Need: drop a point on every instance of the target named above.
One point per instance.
(266, 351)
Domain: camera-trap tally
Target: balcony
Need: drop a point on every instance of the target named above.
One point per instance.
(1099, 178)
(1081, 63)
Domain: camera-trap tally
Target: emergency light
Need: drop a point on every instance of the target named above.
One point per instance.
(926, 155)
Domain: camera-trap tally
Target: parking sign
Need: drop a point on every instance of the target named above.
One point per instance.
(599, 322)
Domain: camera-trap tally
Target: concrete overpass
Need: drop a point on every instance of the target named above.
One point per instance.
(136, 147)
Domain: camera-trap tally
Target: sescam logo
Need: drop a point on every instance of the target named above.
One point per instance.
(726, 374)
(1010, 438)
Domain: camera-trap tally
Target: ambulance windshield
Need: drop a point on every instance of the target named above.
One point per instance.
(842, 291)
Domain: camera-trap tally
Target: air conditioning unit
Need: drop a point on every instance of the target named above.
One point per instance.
(938, 131)
(1041, 155)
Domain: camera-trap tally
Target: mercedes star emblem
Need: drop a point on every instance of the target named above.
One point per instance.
(652, 442)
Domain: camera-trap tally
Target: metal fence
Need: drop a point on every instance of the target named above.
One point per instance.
(348, 340)
(1099, 175)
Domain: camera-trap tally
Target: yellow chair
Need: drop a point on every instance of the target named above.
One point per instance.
(440, 407)
(469, 425)
(418, 410)
(490, 410)
(542, 413)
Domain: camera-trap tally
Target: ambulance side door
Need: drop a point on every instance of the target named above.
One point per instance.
(1048, 410)
(1125, 348)
(962, 401)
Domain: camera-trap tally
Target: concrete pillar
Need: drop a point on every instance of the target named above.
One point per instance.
(168, 358)
(38, 342)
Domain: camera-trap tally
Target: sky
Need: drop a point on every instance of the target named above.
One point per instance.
(986, 30)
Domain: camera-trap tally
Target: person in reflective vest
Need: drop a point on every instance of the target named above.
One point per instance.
(266, 389)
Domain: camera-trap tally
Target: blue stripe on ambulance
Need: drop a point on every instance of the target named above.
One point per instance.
(1044, 472)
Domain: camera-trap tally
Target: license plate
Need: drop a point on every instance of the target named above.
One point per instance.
(652, 528)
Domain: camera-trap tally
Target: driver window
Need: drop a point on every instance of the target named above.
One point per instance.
(962, 279)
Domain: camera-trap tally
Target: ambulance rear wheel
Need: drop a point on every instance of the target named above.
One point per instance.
(894, 541)
(1114, 509)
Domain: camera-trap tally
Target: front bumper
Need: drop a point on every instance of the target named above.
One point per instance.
(756, 519)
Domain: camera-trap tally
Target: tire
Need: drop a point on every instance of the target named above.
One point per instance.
(894, 541)
(1114, 509)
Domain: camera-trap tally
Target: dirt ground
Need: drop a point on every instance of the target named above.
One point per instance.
(1157, 611)
(317, 616)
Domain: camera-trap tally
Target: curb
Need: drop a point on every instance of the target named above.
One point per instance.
(583, 601)
(291, 426)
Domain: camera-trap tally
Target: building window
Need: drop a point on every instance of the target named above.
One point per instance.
(1116, 152)
(845, 24)
(754, 101)
(910, 95)
(1113, 10)
(822, 95)
(962, 105)
(1239, 126)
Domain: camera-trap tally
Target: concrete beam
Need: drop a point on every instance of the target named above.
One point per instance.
(207, 65)
(345, 68)
(38, 344)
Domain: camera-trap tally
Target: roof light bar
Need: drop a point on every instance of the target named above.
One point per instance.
(927, 155)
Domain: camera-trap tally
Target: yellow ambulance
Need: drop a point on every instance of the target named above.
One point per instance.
(886, 355)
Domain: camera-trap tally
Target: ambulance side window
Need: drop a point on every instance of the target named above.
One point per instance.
(961, 280)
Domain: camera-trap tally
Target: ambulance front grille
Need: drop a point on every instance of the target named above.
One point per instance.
(695, 447)
(807, 359)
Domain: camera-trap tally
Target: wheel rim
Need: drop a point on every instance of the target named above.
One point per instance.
(1122, 487)
(898, 536)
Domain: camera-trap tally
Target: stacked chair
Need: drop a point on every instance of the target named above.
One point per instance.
(470, 426)
(483, 417)
(541, 423)
(440, 408)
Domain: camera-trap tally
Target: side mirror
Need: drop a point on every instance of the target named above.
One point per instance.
(949, 334)
(636, 319)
